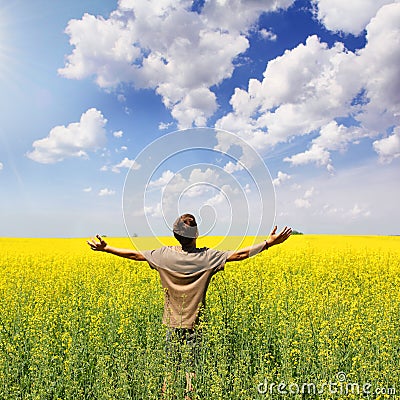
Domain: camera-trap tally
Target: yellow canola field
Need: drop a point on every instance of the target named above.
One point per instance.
(317, 310)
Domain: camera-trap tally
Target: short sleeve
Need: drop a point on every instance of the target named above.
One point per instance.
(153, 258)
(217, 259)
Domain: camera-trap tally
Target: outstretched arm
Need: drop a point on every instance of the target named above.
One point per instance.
(101, 245)
(272, 240)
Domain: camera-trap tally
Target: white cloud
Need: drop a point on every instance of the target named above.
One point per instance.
(239, 15)
(328, 209)
(104, 168)
(282, 177)
(347, 16)
(378, 67)
(310, 87)
(1, 166)
(197, 190)
(73, 140)
(166, 176)
(106, 192)
(199, 187)
(388, 148)
(124, 148)
(192, 51)
(331, 137)
(309, 193)
(349, 201)
(302, 90)
(302, 203)
(268, 35)
(118, 134)
(225, 194)
(155, 211)
(121, 98)
(87, 190)
(194, 107)
(164, 125)
(337, 137)
(125, 163)
(283, 214)
(209, 175)
(196, 184)
(231, 167)
(100, 42)
(357, 212)
(315, 154)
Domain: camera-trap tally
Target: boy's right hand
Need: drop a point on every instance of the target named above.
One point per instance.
(275, 238)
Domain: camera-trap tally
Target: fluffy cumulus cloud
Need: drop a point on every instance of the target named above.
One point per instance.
(125, 163)
(347, 16)
(281, 178)
(118, 134)
(164, 125)
(172, 190)
(302, 90)
(332, 137)
(306, 90)
(106, 192)
(191, 52)
(161, 182)
(305, 200)
(268, 35)
(302, 203)
(378, 67)
(315, 154)
(310, 87)
(220, 200)
(357, 212)
(197, 182)
(73, 140)
(388, 148)
(231, 167)
(154, 211)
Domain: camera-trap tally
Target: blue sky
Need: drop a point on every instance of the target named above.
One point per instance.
(312, 86)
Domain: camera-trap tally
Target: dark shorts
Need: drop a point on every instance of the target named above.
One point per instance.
(182, 346)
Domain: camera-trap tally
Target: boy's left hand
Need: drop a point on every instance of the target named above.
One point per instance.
(97, 246)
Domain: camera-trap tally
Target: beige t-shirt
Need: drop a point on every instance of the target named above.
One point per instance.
(185, 277)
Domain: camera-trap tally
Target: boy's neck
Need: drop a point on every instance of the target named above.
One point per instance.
(189, 246)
